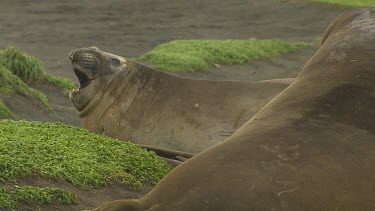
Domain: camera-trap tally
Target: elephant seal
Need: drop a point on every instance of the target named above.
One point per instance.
(130, 101)
(311, 148)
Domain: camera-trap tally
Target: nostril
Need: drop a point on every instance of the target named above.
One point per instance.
(71, 55)
(86, 60)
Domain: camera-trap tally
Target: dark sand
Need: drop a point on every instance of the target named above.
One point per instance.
(50, 29)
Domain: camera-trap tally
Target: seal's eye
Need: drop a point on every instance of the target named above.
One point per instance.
(115, 61)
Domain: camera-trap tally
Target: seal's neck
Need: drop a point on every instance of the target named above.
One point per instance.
(117, 95)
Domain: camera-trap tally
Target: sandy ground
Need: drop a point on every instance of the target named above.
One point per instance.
(50, 29)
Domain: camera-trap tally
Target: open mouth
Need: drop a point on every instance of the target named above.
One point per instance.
(83, 78)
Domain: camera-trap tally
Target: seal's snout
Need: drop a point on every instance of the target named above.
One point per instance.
(94, 48)
(87, 60)
(71, 53)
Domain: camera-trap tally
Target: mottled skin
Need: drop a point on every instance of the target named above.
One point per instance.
(311, 148)
(130, 101)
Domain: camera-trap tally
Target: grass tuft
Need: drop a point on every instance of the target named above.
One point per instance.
(27, 68)
(31, 195)
(198, 55)
(352, 3)
(87, 160)
(30, 69)
(11, 84)
(60, 82)
(5, 113)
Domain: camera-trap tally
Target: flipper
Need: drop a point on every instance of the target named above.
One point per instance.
(171, 156)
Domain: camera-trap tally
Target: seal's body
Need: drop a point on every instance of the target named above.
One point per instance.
(310, 148)
(130, 101)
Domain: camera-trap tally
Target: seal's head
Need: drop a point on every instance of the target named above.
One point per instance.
(94, 70)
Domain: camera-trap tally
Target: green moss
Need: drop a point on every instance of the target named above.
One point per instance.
(9, 199)
(353, 3)
(5, 113)
(30, 69)
(87, 160)
(39, 196)
(197, 55)
(11, 84)
(7, 202)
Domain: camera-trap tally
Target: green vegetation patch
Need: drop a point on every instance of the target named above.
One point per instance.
(60, 82)
(198, 55)
(11, 84)
(31, 195)
(30, 69)
(5, 113)
(354, 3)
(26, 67)
(87, 160)
(17, 70)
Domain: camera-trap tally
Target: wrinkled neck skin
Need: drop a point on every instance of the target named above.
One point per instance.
(89, 108)
(124, 83)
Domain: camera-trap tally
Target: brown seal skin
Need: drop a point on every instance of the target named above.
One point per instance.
(130, 101)
(311, 148)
